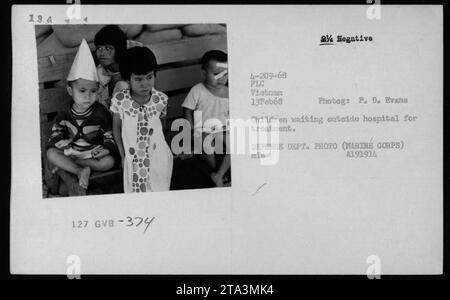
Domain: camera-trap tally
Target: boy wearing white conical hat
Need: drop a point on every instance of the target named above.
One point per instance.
(81, 138)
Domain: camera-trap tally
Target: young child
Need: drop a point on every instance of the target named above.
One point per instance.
(111, 44)
(210, 97)
(81, 138)
(146, 158)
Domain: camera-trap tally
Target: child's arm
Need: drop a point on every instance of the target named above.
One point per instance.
(117, 133)
(108, 144)
(108, 139)
(190, 104)
(58, 136)
(189, 116)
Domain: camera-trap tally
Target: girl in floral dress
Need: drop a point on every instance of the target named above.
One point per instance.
(146, 158)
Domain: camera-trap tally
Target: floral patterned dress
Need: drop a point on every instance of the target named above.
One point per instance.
(148, 159)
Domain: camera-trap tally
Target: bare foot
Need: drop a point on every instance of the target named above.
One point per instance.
(218, 179)
(83, 177)
(75, 189)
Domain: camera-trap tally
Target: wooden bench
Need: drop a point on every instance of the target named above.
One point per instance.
(178, 70)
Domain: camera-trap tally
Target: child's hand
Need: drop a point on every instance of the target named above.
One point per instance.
(62, 144)
(99, 153)
(183, 156)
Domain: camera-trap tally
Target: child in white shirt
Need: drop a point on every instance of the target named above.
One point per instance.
(210, 97)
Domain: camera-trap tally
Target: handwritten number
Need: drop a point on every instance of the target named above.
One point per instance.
(130, 221)
(141, 220)
(148, 222)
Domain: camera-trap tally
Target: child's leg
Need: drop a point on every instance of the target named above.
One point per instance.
(217, 176)
(65, 163)
(210, 158)
(69, 185)
(102, 164)
(224, 165)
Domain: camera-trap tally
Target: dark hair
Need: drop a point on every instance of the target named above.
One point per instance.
(138, 60)
(112, 35)
(218, 55)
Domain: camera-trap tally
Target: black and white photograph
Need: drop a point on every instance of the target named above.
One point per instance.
(108, 96)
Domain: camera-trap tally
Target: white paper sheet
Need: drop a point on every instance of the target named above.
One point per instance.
(314, 211)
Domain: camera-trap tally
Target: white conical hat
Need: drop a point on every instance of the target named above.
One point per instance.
(83, 65)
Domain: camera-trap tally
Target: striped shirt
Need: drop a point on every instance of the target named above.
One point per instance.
(83, 131)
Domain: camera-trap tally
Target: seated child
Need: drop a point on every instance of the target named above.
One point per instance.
(146, 158)
(210, 97)
(111, 44)
(81, 138)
